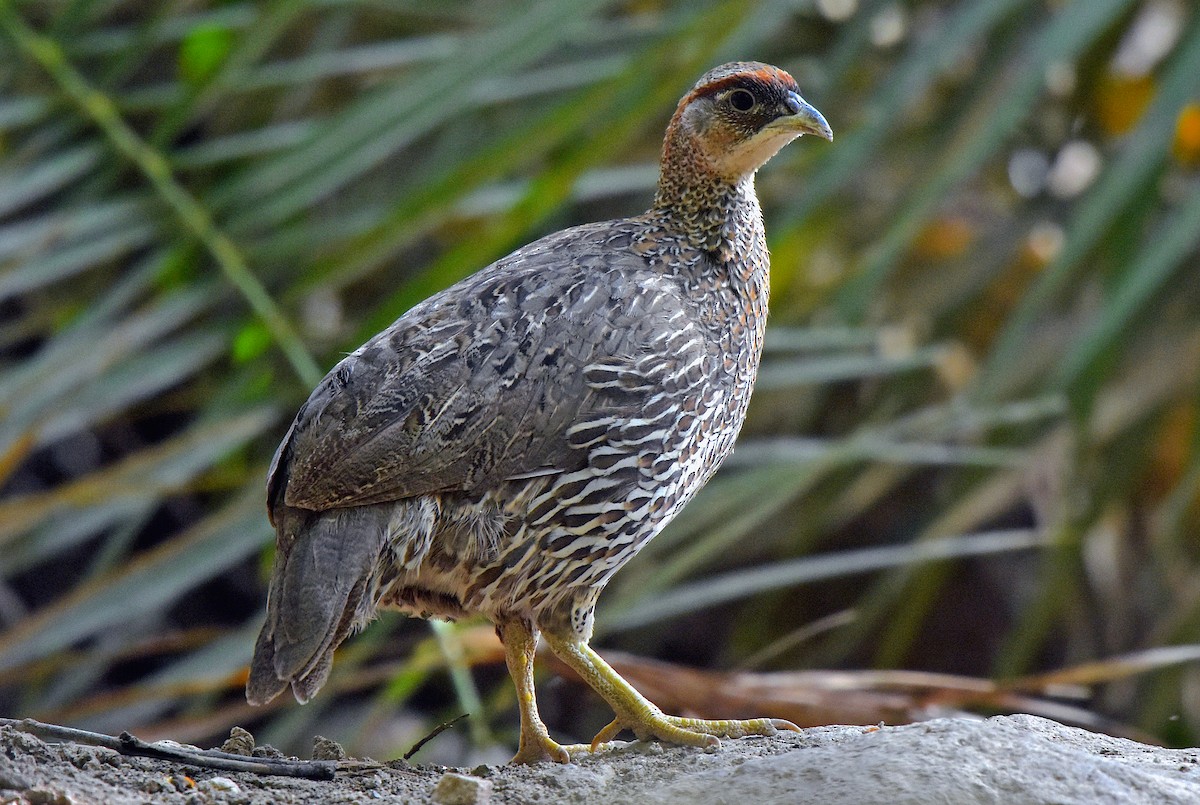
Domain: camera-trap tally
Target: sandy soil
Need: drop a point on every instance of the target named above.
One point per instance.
(34, 771)
(965, 761)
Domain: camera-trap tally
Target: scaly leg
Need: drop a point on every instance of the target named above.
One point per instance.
(520, 643)
(635, 712)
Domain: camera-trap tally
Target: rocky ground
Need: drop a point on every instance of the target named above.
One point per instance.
(1012, 759)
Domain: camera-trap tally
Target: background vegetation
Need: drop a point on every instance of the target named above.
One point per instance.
(973, 449)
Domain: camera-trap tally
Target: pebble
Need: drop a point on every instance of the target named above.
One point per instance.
(462, 789)
(47, 796)
(239, 742)
(327, 749)
(222, 784)
(266, 750)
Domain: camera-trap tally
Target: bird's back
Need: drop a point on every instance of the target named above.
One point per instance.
(530, 366)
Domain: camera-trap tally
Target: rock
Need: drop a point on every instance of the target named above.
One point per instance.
(266, 750)
(462, 789)
(47, 796)
(1018, 760)
(1007, 759)
(12, 781)
(327, 749)
(220, 784)
(239, 742)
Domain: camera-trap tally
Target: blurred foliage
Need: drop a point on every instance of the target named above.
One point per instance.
(974, 445)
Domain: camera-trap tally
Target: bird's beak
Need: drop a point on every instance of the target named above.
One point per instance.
(802, 118)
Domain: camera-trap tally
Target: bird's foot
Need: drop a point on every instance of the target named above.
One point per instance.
(635, 712)
(550, 751)
(690, 731)
(538, 747)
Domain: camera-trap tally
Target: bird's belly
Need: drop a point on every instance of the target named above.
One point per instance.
(547, 546)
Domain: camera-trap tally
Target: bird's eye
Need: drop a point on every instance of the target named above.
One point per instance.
(741, 100)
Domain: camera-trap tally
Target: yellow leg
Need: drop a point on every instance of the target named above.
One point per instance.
(635, 712)
(520, 643)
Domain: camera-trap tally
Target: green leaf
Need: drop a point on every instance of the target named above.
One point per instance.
(202, 52)
(251, 341)
(744, 583)
(154, 580)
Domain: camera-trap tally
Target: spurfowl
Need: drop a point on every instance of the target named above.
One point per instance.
(509, 443)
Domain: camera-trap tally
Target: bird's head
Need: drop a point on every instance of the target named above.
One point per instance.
(738, 116)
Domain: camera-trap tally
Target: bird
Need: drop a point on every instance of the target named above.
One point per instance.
(506, 445)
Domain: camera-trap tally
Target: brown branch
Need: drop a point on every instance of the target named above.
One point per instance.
(438, 730)
(128, 744)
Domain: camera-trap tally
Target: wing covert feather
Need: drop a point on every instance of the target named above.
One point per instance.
(482, 382)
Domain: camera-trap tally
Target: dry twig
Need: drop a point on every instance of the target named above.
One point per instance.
(438, 730)
(128, 744)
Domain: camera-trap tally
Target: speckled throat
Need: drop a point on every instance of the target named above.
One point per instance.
(715, 215)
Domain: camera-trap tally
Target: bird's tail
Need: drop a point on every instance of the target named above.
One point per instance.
(323, 587)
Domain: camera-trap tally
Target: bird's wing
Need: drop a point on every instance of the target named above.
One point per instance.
(512, 373)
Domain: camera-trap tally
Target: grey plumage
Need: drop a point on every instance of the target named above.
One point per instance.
(506, 445)
(530, 380)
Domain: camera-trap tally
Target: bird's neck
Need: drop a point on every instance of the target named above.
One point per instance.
(712, 212)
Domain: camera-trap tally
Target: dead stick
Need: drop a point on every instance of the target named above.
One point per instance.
(438, 730)
(128, 744)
